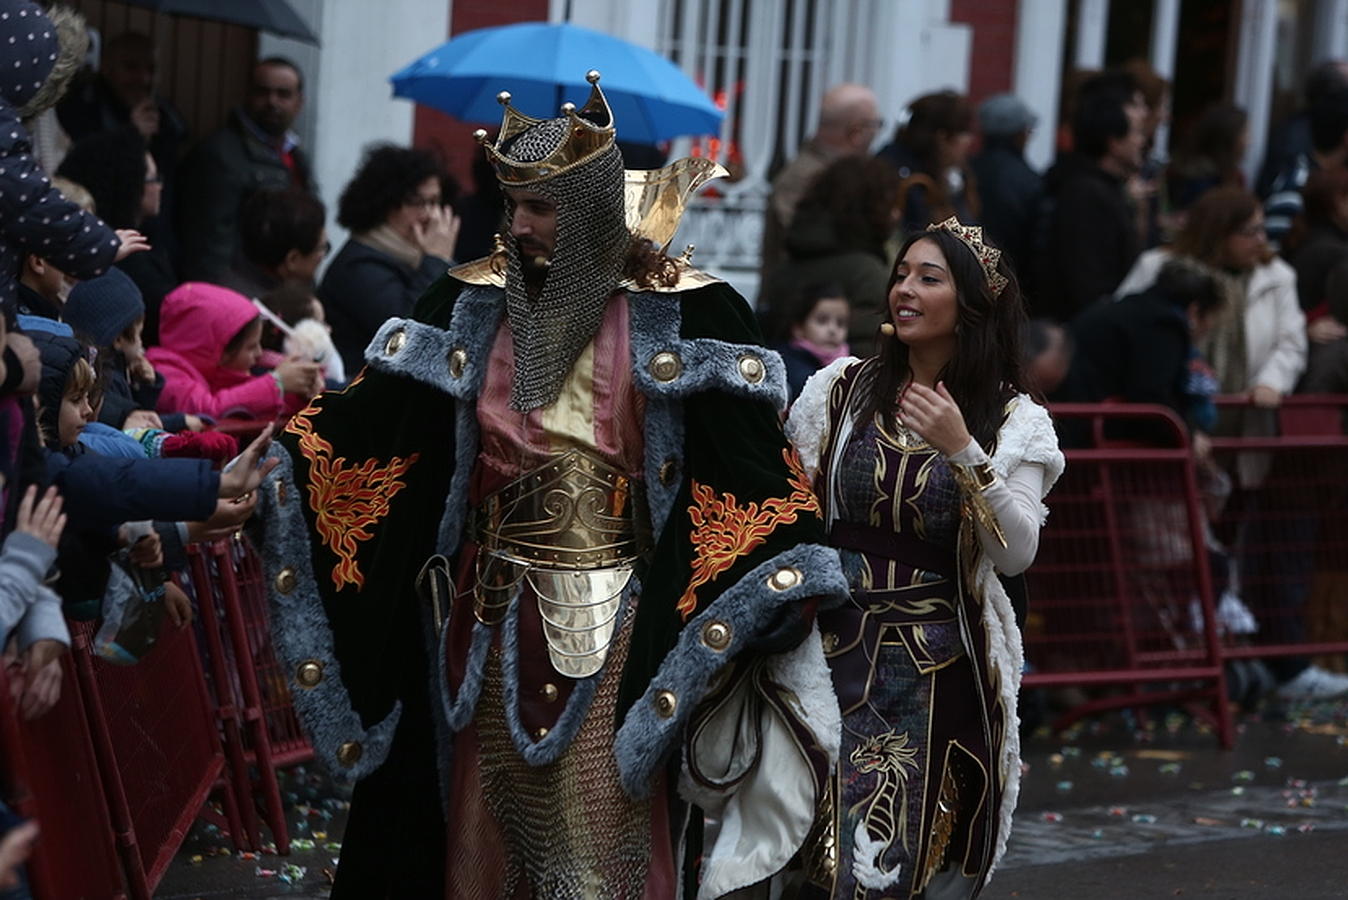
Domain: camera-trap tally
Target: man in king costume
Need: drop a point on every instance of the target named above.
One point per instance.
(545, 574)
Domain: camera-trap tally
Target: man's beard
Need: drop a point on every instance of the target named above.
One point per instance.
(534, 265)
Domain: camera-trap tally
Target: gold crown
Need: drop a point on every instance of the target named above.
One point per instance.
(988, 257)
(583, 142)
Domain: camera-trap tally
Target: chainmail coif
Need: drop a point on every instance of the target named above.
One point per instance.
(550, 330)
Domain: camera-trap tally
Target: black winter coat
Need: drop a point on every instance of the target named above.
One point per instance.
(364, 287)
(221, 172)
(1086, 240)
(1009, 191)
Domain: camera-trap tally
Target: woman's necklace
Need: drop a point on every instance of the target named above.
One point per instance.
(907, 438)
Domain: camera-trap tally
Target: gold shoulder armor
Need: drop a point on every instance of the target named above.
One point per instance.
(488, 270)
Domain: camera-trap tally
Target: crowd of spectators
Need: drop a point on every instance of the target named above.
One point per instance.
(1149, 280)
(159, 293)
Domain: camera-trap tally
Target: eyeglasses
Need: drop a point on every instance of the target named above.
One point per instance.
(422, 202)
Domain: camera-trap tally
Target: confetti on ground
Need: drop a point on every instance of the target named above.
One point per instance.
(1170, 768)
(1243, 775)
(1064, 786)
(1273, 762)
(1052, 817)
(1144, 819)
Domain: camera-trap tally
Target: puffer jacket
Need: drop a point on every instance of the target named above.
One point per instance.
(34, 216)
(196, 323)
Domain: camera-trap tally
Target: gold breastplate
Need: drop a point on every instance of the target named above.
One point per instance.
(574, 528)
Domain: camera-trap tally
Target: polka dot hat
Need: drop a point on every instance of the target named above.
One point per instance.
(28, 50)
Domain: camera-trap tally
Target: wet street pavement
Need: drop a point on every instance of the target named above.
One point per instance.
(1110, 809)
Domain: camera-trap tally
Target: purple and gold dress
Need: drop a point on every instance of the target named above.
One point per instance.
(912, 808)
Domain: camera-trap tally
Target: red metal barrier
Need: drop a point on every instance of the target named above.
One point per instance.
(52, 776)
(1120, 593)
(156, 742)
(1286, 528)
(260, 728)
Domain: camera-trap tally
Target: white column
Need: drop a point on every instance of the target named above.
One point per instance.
(1040, 25)
(348, 98)
(1254, 73)
(1165, 16)
(1330, 39)
(635, 22)
(1092, 27)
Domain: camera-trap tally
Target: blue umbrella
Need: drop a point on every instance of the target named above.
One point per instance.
(543, 66)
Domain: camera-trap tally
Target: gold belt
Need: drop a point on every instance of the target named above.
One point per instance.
(573, 527)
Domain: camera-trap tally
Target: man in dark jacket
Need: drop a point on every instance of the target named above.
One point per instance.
(123, 93)
(1007, 187)
(1088, 236)
(256, 149)
(1139, 349)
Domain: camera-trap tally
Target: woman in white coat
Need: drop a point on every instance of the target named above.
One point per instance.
(1258, 350)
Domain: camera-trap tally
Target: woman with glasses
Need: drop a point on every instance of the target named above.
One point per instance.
(402, 239)
(1258, 350)
(117, 169)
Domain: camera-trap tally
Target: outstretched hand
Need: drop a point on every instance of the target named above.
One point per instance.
(247, 469)
(935, 416)
(132, 242)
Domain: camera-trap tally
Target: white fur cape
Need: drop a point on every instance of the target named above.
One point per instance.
(1027, 436)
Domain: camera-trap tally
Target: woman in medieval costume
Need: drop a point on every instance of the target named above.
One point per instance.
(931, 462)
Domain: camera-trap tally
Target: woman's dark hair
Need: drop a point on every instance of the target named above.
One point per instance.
(1216, 216)
(388, 177)
(292, 301)
(858, 195)
(275, 221)
(111, 166)
(985, 370)
(1184, 283)
(929, 117)
(810, 296)
(1214, 142)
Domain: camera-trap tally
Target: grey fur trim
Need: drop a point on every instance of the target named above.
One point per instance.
(472, 328)
(300, 632)
(425, 350)
(72, 41)
(704, 364)
(645, 738)
(458, 710)
(655, 323)
(547, 750)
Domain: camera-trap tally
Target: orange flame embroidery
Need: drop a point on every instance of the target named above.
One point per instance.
(347, 500)
(723, 531)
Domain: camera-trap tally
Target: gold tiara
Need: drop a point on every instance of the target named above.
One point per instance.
(591, 133)
(988, 257)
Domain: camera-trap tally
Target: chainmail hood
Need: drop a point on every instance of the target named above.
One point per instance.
(550, 330)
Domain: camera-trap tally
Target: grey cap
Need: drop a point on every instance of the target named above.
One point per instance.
(1005, 115)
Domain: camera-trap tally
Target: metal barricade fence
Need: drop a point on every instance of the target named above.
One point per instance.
(259, 726)
(117, 771)
(52, 776)
(1120, 594)
(1284, 532)
(155, 740)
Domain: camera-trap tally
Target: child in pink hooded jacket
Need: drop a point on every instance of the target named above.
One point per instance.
(210, 340)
